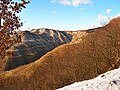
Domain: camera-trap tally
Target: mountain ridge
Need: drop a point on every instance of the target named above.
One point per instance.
(34, 44)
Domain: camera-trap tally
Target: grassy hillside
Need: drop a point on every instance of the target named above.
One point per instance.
(92, 55)
(34, 44)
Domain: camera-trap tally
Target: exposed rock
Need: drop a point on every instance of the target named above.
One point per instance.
(77, 35)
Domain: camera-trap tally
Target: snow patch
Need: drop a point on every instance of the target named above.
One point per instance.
(106, 81)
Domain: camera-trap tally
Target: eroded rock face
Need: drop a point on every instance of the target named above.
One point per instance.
(34, 44)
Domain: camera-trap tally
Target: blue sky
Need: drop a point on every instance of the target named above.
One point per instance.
(68, 14)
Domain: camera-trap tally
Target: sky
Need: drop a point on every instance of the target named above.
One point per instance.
(68, 14)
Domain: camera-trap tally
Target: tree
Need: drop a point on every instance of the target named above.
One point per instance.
(9, 21)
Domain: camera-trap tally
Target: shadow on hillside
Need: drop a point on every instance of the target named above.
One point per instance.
(35, 45)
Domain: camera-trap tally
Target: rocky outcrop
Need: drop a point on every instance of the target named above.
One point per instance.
(34, 44)
(77, 35)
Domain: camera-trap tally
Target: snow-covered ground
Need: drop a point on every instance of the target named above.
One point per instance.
(106, 81)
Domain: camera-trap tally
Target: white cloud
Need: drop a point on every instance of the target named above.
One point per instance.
(72, 2)
(65, 2)
(81, 8)
(53, 12)
(108, 11)
(102, 19)
(106, 19)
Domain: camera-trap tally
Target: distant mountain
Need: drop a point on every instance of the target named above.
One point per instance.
(34, 44)
(82, 59)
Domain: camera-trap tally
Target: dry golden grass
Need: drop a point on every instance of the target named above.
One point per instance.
(96, 53)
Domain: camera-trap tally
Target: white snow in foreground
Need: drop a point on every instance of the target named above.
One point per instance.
(106, 81)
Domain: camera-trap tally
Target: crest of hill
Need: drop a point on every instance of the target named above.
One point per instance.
(97, 53)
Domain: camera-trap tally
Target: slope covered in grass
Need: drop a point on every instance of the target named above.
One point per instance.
(34, 44)
(92, 55)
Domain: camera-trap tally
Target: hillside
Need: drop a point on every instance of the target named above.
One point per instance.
(106, 81)
(34, 44)
(93, 55)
